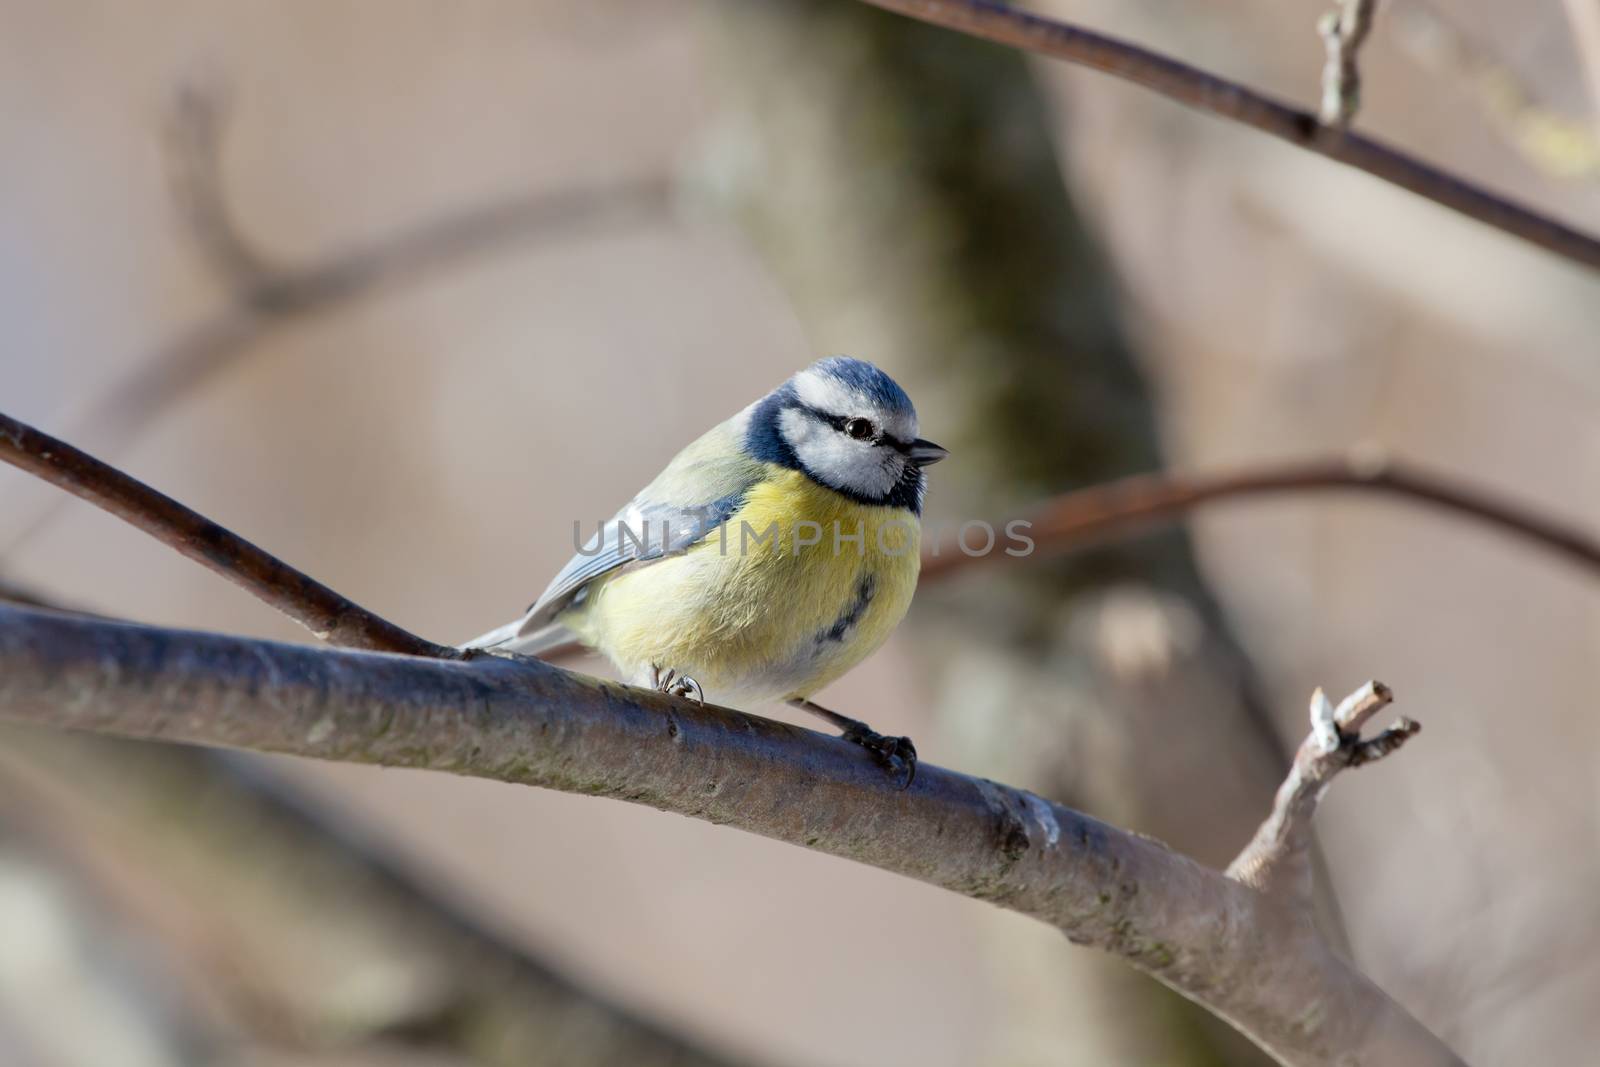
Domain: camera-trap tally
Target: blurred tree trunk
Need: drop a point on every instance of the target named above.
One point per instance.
(282, 936)
(903, 184)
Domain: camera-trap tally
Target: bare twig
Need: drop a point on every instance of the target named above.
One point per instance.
(1277, 860)
(1343, 31)
(1217, 940)
(325, 613)
(1102, 511)
(1206, 92)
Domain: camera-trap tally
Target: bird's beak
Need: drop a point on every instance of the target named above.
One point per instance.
(925, 452)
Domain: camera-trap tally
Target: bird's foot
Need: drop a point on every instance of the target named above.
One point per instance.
(672, 683)
(896, 754)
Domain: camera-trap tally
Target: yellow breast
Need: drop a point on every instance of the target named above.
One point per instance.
(796, 588)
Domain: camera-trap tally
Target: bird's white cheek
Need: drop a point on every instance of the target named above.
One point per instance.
(847, 465)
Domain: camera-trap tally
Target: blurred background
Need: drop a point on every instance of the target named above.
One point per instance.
(399, 291)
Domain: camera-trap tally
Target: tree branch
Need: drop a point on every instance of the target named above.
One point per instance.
(1217, 940)
(307, 601)
(1278, 859)
(1206, 92)
(1101, 511)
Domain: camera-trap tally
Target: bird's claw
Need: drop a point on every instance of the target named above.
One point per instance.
(672, 683)
(689, 689)
(896, 754)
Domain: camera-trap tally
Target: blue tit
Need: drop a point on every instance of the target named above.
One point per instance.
(772, 554)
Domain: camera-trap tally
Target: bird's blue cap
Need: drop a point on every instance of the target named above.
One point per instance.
(863, 377)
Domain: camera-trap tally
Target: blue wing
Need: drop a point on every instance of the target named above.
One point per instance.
(696, 493)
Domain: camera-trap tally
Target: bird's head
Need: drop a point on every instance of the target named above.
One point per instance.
(846, 425)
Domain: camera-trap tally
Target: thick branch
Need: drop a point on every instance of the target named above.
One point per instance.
(1206, 92)
(1102, 511)
(1214, 939)
(324, 612)
(1278, 859)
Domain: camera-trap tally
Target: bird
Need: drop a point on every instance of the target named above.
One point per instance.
(770, 556)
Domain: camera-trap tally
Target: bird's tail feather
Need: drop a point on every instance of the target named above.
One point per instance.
(511, 638)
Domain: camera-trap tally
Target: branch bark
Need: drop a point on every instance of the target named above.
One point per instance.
(1229, 100)
(1222, 943)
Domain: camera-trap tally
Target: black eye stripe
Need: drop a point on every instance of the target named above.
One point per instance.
(838, 423)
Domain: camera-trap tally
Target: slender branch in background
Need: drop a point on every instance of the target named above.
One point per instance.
(267, 295)
(1343, 31)
(1278, 859)
(1558, 145)
(324, 612)
(1078, 518)
(1233, 949)
(281, 297)
(1230, 100)
(193, 151)
(193, 155)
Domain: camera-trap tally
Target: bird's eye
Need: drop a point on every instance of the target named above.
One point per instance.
(860, 429)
